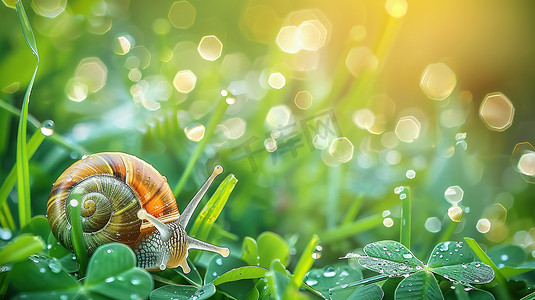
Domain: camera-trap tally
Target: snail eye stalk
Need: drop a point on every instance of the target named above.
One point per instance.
(192, 205)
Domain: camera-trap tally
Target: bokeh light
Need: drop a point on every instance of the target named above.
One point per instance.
(433, 224)
(483, 225)
(497, 111)
(396, 8)
(454, 194)
(361, 59)
(408, 129)
(287, 39)
(303, 100)
(388, 222)
(312, 35)
(523, 160)
(210, 47)
(276, 80)
(49, 8)
(455, 213)
(182, 14)
(195, 132)
(185, 81)
(122, 44)
(438, 81)
(364, 118)
(341, 149)
(279, 116)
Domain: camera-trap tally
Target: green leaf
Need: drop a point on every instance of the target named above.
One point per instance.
(250, 251)
(219, 266)
(247, 272)
(22, 247)
(507, 255)
(421, 285)
(485, 259)
(48, 280)
(112, 272)
(390, 258)
(322, 280)
(278, 280)
(369, 291)
(467, 274)
(270, 247)
(38, 226)
(450, 253)
(474, 294)
(183, 292)
(210, 212)
(389, 287)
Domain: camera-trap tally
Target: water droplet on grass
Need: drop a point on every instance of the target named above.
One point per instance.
(329, 272)
(47, 128)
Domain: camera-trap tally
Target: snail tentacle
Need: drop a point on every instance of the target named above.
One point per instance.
(183, 219)
(194, 243)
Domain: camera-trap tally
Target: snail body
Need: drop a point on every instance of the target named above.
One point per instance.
(126, 200)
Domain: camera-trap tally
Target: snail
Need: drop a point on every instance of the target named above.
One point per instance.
(125, 200)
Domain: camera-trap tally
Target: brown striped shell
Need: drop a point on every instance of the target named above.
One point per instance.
(116, 186)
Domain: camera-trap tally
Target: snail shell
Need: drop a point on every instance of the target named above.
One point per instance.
(116, 186)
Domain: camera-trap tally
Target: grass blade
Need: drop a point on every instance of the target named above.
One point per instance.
(216, 118)
(6, 187)
(304, 264)
(23, 175)
(405, 228)
(75, 218)
(212, 209)
(484, 258)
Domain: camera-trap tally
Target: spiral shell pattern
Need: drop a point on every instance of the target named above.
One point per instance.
(115, 186)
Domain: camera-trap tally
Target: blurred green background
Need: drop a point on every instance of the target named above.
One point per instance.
(108, 80)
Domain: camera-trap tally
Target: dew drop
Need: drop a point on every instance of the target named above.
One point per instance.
(402, 196)
(135, 281)
(398, 190)
(329, 272)
(219, 261)
(47, 128)
(5, 234)
(195, 132)
(214, 274)
(109, 251)
(110, 279)
(407, 255)
(504, 257)
(311, 282)
(410, 174)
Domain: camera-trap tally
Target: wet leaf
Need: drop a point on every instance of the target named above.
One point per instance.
(112, 272)
(370, 291)
(183, 292)
(48, 280)
(507, 255)
(329, 277)
(450, 253)
(247, 272)
(421, 285)
(467, 274)
(391, 258)
(219, 266)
